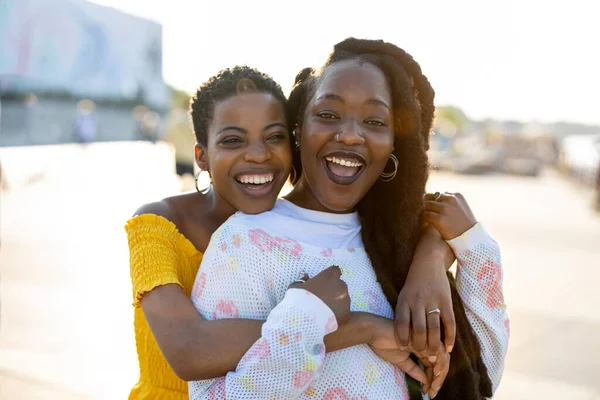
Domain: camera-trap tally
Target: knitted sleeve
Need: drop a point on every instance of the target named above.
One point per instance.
(289, 355)
(153, 258)
(479, 283)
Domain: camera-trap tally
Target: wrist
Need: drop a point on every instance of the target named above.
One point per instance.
(359, 329)
(433, 249)
(363, 326)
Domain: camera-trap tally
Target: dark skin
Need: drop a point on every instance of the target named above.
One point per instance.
(199, 349)
(346, 137)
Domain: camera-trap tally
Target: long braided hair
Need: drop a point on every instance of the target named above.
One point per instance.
(390, 212)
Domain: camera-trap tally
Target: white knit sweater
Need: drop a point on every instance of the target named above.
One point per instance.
(245, 273)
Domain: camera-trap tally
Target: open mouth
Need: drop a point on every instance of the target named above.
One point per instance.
(344, 169)
(257, 184)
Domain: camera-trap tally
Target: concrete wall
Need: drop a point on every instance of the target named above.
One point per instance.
(53, 122)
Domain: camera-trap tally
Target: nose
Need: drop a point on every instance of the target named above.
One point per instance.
(257, 153)
(350, 134)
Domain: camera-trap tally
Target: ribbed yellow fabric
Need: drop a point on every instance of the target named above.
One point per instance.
(158, 255)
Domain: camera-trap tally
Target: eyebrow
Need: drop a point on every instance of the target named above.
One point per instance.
(273, 125)
(331, 96)
(244, 131)
(232, 128)
(378, 103)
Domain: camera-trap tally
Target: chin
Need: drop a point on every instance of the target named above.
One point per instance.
(339, 204)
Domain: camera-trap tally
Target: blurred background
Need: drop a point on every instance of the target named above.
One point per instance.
(93, 99)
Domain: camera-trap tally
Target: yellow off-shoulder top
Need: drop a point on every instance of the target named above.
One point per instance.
(158, 255)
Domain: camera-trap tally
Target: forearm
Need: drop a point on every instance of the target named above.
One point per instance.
(214, 348)
(200, 349)
(194, 347)
(432, 247)
(286, 359)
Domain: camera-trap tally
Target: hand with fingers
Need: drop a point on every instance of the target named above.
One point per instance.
(436, 371)
(425, 301)
(384, 343)
(329, 287)
(449, 213)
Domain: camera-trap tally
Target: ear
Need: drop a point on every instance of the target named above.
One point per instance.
(200, 157)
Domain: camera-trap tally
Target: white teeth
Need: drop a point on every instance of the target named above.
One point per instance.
(256, 179)
(345, 162)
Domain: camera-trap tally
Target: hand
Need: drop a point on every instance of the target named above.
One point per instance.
(329, 287)
(436, 372)
(385, 344)
(450, 214)
(427, 288)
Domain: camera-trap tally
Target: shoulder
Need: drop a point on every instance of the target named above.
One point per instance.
(174, 209)
(165, 221)
(162, 208)
(157, 219)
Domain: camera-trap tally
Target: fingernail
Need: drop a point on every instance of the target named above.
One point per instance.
(449, 348)
(432, 358)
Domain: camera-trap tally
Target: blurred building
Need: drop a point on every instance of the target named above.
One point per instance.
(63, 51)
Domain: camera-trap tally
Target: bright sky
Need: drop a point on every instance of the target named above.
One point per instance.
(512, 59)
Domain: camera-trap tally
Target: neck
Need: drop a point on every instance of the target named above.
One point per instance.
(218, 209)
(303, 196)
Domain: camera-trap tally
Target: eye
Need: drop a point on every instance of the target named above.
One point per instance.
(327, 115)
(374, 123)
(276, 137)
(231, 140)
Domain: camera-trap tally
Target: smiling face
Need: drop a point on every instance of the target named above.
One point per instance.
(346, 136)
(248, 153)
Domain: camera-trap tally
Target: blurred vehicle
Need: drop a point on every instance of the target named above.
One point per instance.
(465, 154)
(522, 166)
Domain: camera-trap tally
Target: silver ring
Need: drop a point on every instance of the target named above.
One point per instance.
(337, 137)
(434, 311)
(299, 281)
(437, 196)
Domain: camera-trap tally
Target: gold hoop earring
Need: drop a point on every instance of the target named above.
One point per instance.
(196, 180)
(206, 189)
(388, 176)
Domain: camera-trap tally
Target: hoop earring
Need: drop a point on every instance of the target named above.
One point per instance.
(388, 176)
(206, 189)
(196, 180)
(293, 175)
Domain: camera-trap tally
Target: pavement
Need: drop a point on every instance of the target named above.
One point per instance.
(66, 321)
